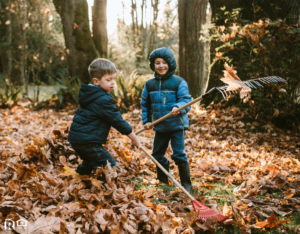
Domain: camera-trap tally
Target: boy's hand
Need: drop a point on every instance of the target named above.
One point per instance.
(147, 126)
(174, 111)
(135, 140)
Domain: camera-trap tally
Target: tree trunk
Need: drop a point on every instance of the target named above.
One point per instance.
(153, 27)
(9, 39)
(6, 38)
(80, 47)
(22, 37)
(133, 26)
(100, 27)
(182, 38)
(193, 54)
(142, 34)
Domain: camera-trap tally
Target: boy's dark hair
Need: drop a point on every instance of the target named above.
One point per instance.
(99, 67)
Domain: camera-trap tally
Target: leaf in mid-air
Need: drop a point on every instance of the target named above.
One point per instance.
(234, 82)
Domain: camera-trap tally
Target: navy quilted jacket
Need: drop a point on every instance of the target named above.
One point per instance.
(95, 116)
(161, 94)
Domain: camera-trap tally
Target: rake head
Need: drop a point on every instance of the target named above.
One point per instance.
(235, 84)
(252, 84)
(205, 212)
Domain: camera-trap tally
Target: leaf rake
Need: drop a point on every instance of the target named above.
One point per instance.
(253, 83)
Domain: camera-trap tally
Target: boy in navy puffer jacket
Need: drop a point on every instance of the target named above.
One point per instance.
(163, 94)
(94, 118)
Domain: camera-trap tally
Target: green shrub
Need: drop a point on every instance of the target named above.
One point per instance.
(9, 94)
(66, 95)
(127, 93)
(259, 50)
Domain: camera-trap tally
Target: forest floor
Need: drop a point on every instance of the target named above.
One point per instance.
(249, 172)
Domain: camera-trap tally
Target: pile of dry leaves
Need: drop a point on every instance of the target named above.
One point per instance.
(39, 183)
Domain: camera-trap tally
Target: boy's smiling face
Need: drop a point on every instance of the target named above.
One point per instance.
(161, 66)
(107, 82)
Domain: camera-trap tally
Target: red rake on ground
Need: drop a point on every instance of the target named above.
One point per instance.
(234, 85)
(204, 212)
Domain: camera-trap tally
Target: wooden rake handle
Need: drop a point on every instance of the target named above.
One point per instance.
(167, 173)
(179, 109)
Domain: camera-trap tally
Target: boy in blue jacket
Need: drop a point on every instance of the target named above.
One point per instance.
(163, 94)
(94, 118)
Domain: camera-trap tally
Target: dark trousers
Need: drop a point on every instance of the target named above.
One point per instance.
(93, 156)
(161, 142)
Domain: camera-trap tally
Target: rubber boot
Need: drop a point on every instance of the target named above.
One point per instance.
(185, 178)
(161, 176)
(83, 171)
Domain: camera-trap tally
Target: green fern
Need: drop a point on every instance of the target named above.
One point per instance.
(127, 94)
(73, 86)
(9, 93)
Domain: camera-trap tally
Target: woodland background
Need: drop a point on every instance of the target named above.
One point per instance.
(244, 155)
(46, 46)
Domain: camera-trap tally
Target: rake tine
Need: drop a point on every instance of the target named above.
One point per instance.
(250, 84)
(263, 81)
(268, 79)
(254, 84)
(279, 79)
(258, 84)
(283, 80)
(274, 79)
(224, 94)
(221, 93)
(224, 88)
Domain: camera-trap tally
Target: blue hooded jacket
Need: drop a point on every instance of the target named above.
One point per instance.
(161, 94)
(95, 116)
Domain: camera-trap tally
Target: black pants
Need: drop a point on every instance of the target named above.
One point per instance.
(93, 156)
(161, 143)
